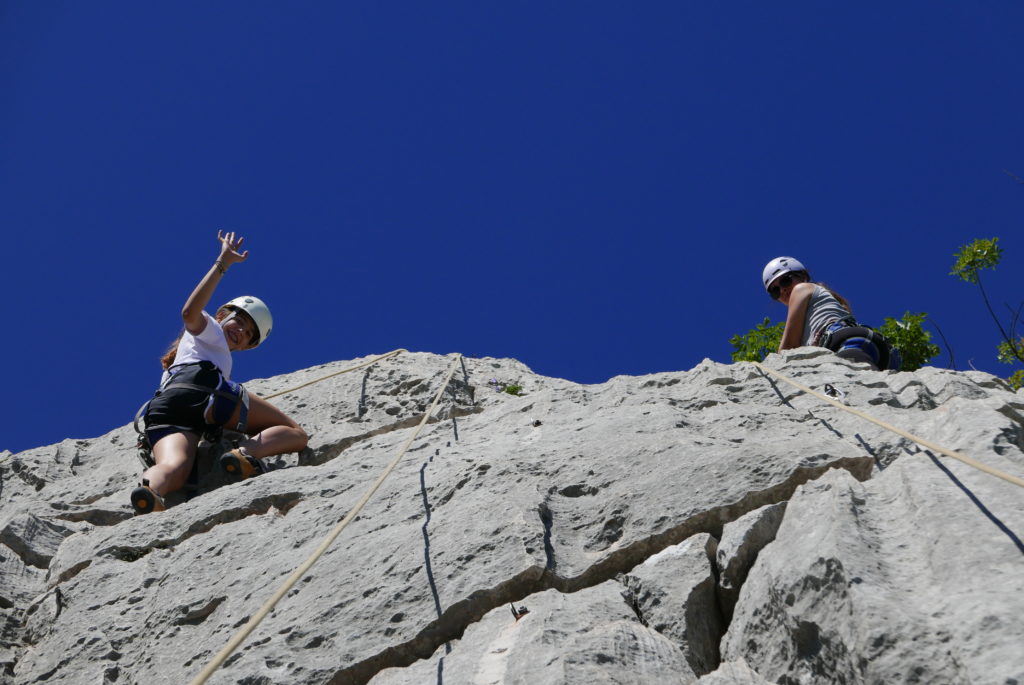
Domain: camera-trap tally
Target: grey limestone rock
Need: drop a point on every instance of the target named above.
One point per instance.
(742, 540)
(542, 499)
(674, 593)
(33, 539)
(910, 577)
(590, 636)
(733, 673)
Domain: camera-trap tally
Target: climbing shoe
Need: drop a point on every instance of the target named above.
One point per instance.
(145, 500)
(240, 466)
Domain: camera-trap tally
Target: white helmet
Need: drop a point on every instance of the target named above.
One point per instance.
(257, 311)
(779, 266)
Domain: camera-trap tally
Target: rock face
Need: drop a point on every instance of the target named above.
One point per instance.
(708, 526)
(674, 593)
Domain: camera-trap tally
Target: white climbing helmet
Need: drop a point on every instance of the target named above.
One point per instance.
(257, 311)
(779, 266)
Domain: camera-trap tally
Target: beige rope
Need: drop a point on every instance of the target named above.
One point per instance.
(297, 575)
(898, 431)
(392, 353)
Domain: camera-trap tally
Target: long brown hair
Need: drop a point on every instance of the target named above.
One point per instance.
(168, 359)
(839, 298)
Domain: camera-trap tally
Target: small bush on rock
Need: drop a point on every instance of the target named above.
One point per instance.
(970, 260)
(510, 388)
(758, 342)
(911, 339)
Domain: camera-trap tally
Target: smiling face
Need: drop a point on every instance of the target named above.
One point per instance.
(239, 330)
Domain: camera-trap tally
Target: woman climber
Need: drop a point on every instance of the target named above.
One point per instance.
(821, 317)
(197, 395)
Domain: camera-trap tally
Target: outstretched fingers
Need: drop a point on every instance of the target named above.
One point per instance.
(230, 246)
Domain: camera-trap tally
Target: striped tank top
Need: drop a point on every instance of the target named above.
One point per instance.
(822, 310)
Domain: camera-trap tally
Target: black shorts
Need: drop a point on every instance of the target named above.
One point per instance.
(180, 409)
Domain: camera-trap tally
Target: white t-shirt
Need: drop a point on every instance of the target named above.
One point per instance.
(210, 345)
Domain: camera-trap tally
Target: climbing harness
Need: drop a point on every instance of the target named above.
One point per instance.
(223, 390)
(845, 337)
(299, 572)
(213, 433)
(898, 431)
(145, 449)
(859, 343)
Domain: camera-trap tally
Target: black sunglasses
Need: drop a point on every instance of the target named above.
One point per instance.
(784, 280)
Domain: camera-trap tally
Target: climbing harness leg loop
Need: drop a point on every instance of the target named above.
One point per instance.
(243, 416)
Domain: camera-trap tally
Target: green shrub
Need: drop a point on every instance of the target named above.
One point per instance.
(911, 339)
(511, 388)
(970, 260)
(974, 256)
(1011, 350)
(758, 342)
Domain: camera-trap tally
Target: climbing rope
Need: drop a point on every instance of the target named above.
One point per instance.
(898, 431)
(361, 365)
(297, 575)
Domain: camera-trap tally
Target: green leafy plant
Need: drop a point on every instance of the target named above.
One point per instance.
(1010, 350)
(907, 334)
(758, 342)
(913, 341)
(974, 256)
(510, 388)
(971, 259)
(1016, 379)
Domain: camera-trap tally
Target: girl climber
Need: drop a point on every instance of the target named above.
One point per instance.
(196, 394)
(821, 317)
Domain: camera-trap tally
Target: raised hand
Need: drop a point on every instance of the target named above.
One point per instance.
(229, 248)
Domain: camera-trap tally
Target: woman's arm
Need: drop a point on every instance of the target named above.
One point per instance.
(798, 299)
(192, 312)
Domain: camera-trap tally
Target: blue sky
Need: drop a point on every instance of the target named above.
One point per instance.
(592, 188)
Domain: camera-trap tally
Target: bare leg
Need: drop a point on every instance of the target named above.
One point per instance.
(275, 431)
(173, 454)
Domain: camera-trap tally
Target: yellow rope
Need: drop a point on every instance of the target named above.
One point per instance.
(898, 431)
(392, 353)
(297, 575)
